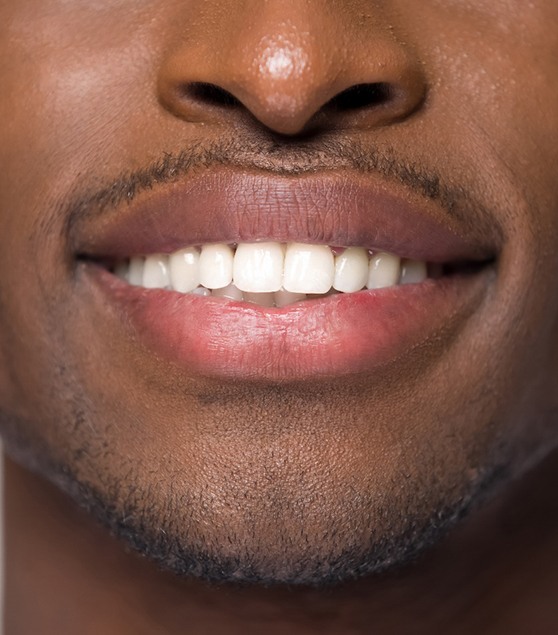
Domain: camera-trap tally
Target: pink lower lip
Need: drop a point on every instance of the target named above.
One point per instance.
(339, 335)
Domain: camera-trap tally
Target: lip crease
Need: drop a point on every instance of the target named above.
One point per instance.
(337, 335)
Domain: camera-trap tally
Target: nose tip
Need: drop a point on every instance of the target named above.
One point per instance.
(289, 75)
(280, 87)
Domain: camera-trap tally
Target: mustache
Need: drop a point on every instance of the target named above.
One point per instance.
(287, 158)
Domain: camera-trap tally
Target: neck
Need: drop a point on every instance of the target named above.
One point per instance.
(64, 575)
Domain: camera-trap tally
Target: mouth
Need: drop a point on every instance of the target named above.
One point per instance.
(243, 276)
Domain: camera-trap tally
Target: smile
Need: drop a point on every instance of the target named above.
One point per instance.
(258, 288)
(270, 274)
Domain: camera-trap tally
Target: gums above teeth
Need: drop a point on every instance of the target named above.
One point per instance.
(270, 273)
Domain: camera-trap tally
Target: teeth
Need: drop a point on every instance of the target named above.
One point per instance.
(412, 272)
(384, 271)
(258, 267)
(135, 275)
(216, 266)
(308, 268)
(122, 271)
(262, 299)
(351, 270)
(156, 272)
(270, 273)
(201, 291)
(230, 293)
(184, 268)
(284, 298)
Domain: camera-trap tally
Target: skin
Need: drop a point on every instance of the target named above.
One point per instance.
(275, 482)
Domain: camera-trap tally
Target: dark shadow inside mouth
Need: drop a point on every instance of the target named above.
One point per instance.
(460, 268)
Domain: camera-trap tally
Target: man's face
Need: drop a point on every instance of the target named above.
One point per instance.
(334, 436)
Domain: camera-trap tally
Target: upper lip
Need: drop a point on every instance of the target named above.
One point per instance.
(231, 206)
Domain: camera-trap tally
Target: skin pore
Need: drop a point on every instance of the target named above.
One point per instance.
(308, 500)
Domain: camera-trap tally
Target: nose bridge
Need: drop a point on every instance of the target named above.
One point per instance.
(284, 60)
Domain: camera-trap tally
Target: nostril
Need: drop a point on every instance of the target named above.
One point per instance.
(354, 98)
(361, 96)
(209, 94)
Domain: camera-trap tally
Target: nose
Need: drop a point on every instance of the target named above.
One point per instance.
(290, 65)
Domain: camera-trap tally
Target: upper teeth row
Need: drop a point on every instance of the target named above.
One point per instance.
(268, 267)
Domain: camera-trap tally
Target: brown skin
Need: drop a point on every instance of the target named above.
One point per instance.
(282, 478)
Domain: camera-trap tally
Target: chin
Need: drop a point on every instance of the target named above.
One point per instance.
(318, 539)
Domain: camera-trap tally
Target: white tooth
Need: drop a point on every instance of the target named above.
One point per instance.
(184, 269)
(201, 291)
(216, 266)
(283, 298)
(122, 270)
(156, 272)
(308, 268)
(262, 299)
(413, 271)
(351, 270)
(258, 267)
(384, 270)
(230, 292)
(136, 271)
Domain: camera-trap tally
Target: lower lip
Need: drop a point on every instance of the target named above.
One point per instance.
(338, 335)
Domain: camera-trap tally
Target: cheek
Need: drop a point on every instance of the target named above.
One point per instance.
(75, 93)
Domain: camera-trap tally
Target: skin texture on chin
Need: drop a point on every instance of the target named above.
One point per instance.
(307, 482)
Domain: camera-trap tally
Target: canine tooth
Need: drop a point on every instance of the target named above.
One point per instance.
(383, 271)
(351, 270)
(258, 267)
(283, 298)
(136, 271)
(156, 272)
(262, 299)
(413, 271)
(184, 269)
(230, 292)
(308, 268)
(216, 266)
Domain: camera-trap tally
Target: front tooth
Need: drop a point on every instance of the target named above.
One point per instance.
(229, 292)
(308, 268)
(216, 266)
(156, 272)
(351, 270)
(284, 298)
(135, 275)
(384, 271)
(258, 267)
(413, 271)
(185, 270)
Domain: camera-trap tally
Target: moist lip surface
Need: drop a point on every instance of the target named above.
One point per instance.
(336, 335)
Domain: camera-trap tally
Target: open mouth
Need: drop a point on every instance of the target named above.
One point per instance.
(273, 274)
(252, 289)
(270, 274)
